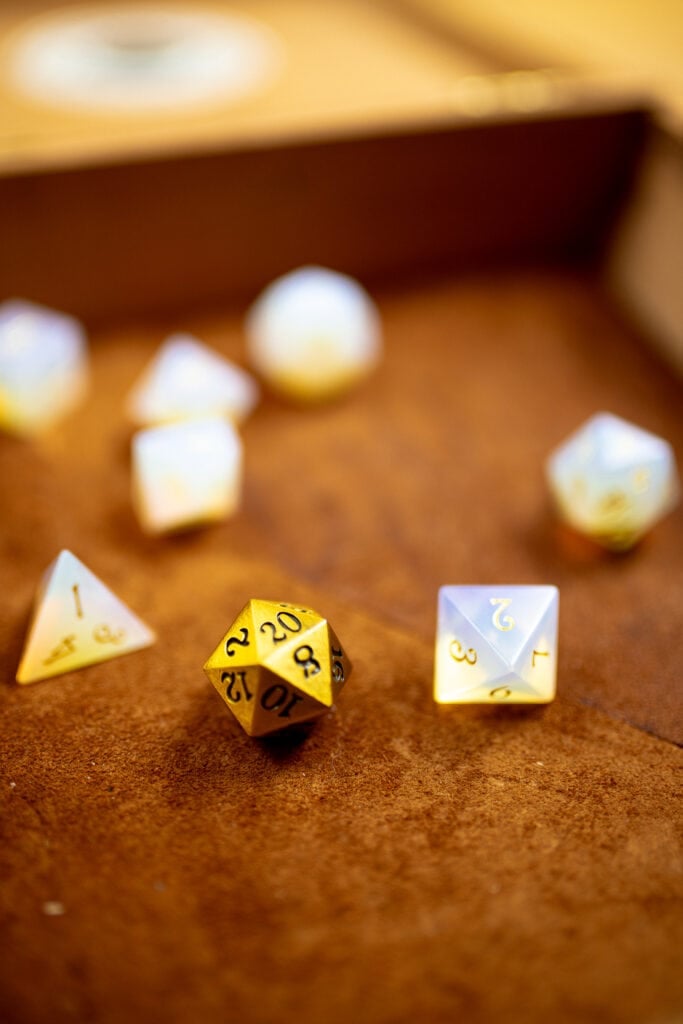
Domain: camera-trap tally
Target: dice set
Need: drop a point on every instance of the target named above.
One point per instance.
(311, 335)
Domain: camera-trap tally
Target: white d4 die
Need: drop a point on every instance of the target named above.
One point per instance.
(43, 366)
(612, 480)
(496, 645)
(186, 474)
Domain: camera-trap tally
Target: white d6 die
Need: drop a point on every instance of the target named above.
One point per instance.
(612, 480)
(186, 474)
(43, 366)
(496, 645)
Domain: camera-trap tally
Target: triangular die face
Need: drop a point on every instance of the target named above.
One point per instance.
(238, 648)
(340, 665)
(278, 624)
(623, 444)
(77, 621)
(504, 615)
(239, 688)
(465, 663)
(537, 661)
(280, 705)
(305, 663)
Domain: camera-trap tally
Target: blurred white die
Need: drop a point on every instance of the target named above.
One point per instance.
(313, 334)
(186, 474)
(186, 379)
(496, 645)
(43, 366)
(612, 481)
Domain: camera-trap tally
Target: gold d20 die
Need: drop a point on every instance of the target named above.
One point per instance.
(278, 665)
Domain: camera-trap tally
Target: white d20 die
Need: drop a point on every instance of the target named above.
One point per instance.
(496, 645)
(186, 380)
(43, 366)
(313, 334)
(612, 480)
(186, 474)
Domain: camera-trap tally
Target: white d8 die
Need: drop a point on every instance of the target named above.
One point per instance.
(43, 366)
(186, 380)
(496, 645)
(612, 480)
(186, 474)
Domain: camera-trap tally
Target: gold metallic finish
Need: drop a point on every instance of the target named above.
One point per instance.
(277, 665)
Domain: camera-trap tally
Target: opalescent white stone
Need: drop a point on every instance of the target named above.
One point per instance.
(613, 480)
(77, 621)
(43, 366)
(313, 333)
(185, 380)
(186, 474)
(496, 644)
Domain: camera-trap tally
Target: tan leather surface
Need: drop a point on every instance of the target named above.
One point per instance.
(399, 861)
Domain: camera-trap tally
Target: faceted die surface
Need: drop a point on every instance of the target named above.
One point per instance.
(313, 333)
(43, 366)
(186, 474)
(77, 621)
(187, 380)
(277, 665)
(496, 645)
(612, 481)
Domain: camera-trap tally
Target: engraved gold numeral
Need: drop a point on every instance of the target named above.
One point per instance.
(77, 600)
(458, 653)
(500, 693)
(538, 654)
(502, 622)
(104, 635)
(641, 480)
(62, 650)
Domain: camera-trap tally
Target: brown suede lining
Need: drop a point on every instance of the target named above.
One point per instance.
(398, 861)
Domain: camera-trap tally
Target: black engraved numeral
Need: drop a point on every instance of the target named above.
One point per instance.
(275, 696)
(303, 656)
(243, 642)
(337, 666)
(77, 600)
(237, 686)
(288, 623)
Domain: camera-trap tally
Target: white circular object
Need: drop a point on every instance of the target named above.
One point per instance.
(313, 333)
(144, 58)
